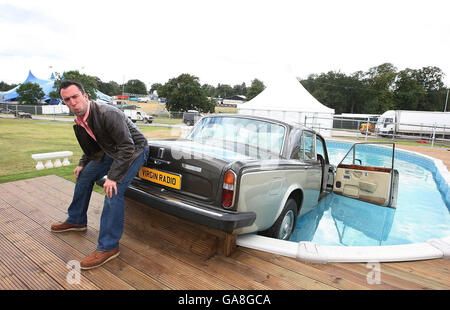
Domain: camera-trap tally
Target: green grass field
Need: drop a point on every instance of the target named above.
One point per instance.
(19, 139)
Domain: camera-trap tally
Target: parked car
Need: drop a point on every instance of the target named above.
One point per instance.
(6, 111)
(20, 114)
(191, 116)
(243, 174)
(135, 115)
(143, 99)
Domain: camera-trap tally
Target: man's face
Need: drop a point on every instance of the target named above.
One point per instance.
(76, 101)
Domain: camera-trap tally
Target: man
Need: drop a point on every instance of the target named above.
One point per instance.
(113, 146)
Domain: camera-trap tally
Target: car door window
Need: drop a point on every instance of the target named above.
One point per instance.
(308, 146)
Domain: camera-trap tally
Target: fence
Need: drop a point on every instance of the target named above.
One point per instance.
(351, 128)
(35, 109)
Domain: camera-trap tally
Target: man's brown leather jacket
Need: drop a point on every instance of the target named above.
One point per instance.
(116, 136)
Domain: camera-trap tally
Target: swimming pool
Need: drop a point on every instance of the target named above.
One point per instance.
(422, 211)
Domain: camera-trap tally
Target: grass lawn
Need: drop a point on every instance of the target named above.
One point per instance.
(20, 138)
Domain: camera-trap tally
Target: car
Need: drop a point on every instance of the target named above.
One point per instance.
(6, 111)
(191, 116)
(244, 174)
(143, 99)
(21, 114)
(135, 115)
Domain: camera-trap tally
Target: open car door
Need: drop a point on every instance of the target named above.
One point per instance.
(374, 183)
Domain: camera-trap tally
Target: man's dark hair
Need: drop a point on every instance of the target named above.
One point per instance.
(66, 83)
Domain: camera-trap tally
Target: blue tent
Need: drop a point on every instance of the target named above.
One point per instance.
(47, 87)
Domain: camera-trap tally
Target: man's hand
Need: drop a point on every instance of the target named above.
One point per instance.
(109, 186)
(76, 171)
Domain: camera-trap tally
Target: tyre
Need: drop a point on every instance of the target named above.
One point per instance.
(285, 224)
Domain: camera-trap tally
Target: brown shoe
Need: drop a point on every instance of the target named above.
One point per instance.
(61, 227)
(98, 258)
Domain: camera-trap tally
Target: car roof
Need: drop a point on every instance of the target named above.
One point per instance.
(262, 118)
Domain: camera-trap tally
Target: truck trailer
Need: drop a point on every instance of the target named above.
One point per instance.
(413, 123)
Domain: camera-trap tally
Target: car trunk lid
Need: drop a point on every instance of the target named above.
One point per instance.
(188, 167)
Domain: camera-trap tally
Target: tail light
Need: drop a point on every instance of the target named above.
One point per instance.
(229, 184)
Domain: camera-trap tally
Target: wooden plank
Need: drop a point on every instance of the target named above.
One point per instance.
(12, 221)
(198, 241)
(106, 279)
(309, 270)
(170, 271)
(229, 244)
(28, 202)
(300, 281)
(211, 267)
(118, 267)
(387, 280)
(265, 278)
(27, 271)
(158, 259)
(8, 280)
(63, 192)
(40, 256)
(63, 189)
(441, 265)
(412, 277)
(223, 244)
(122, 250)
(425, 269)
(67, 188)
(109, 276)
(202, 243)
(53, 208)
(152, 223)
(235, 273)
(3, 203)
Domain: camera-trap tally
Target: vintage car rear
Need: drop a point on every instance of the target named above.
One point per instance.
(232, 173)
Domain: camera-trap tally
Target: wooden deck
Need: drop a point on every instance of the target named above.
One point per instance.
(158, 252)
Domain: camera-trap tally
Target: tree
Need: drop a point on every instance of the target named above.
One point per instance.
(185, 93)
(341, 92)
(254, 90)
(240, 89)
(210, 90)
(4, 86)
(408, 90)
(381, 81)
(224, 91)
(89, 83)
(431, 80)
(154, 87)
(30, 93)
(111, 88)
(135, 87)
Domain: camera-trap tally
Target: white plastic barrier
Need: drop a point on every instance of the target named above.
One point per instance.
(314, 253)
(48, 157)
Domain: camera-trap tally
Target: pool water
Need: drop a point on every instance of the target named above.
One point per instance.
(421, 212)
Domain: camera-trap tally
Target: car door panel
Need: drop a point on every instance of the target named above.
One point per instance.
(375, 185)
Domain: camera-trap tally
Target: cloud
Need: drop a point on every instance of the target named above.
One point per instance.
(221, 42)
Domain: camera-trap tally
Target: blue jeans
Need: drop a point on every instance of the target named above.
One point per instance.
(111, 222)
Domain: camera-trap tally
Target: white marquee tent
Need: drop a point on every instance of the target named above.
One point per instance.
(287, 100)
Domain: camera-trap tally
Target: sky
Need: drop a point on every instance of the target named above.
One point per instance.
(227, 42)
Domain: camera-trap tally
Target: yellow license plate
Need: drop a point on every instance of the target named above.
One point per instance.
(163, 178)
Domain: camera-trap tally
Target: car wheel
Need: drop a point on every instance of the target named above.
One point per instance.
(284, 225)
